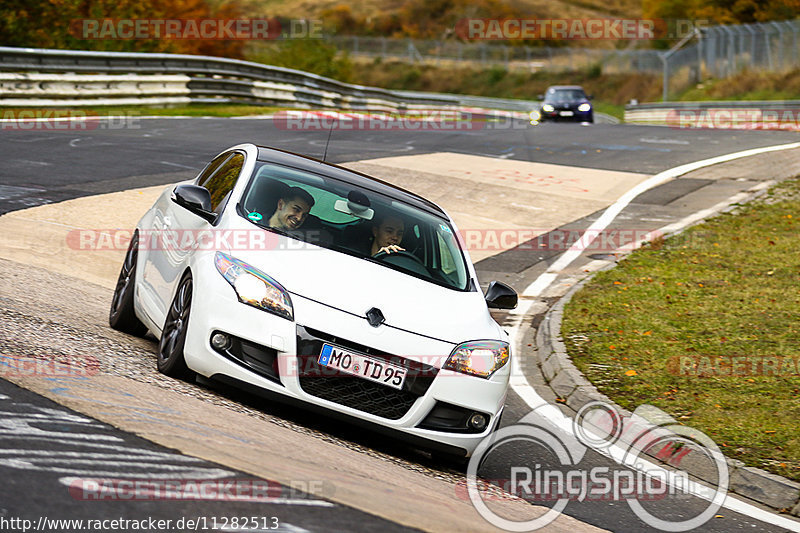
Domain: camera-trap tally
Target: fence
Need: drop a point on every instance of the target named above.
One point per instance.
(505, 56)
(772, 46)
(724, 51)
(714, 51)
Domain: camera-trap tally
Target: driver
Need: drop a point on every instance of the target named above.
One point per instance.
(387, 233)
(292, 210)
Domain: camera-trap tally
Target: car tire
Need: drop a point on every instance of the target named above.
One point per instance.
(121, 315)
(173, 335)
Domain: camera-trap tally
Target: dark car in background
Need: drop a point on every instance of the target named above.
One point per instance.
(566, 103)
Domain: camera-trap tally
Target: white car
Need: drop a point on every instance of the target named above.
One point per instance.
(306, 311)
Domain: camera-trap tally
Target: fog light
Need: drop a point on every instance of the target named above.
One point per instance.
(220, 341)
(477, 421)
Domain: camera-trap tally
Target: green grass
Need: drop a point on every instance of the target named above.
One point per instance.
(702, 94)
(747, 85)
(614, 110)
(726, 288)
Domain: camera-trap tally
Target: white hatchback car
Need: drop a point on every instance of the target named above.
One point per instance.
(243, 284)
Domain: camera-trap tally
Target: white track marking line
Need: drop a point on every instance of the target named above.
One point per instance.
(529, 395)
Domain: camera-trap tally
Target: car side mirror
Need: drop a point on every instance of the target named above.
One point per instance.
(500, 296)
(589, 96)
(540, 96)
(196, 199)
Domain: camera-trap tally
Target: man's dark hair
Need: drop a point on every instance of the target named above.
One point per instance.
(298, 192)
(380, 217)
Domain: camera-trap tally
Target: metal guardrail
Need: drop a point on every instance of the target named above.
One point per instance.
(42, 77)
(770, 114)
(99, 78)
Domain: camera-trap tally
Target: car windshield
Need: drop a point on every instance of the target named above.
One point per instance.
(354, 221)
(565, 95)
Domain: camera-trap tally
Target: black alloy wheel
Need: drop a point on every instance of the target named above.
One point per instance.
(173, 336)
(121, 316)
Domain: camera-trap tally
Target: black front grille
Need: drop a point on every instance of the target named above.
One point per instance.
(361, 394)
(367, 396)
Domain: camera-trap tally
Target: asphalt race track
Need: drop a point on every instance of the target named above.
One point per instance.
(42, 166)
(111, 426)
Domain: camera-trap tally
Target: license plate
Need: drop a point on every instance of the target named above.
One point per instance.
(363, 366)
(565, 113)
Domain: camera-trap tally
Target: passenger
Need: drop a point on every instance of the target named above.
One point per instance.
(387, 233)
(292, 210)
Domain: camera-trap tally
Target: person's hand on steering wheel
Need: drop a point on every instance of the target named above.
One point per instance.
(391, 248)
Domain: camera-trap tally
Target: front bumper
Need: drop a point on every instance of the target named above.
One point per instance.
(559, 115)
(277, 357)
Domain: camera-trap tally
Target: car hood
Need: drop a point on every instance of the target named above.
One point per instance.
(356, 285)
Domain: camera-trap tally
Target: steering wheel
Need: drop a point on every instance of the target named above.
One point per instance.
(405, 260)
(382, 256)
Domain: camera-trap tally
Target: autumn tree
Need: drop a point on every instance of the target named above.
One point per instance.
(58, 23)
(722, 11)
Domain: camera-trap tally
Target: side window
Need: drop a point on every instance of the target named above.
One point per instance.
(211, 168)
(448, 265)
(221, 182)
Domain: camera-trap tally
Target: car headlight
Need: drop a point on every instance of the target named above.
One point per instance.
(253, 287)
(478, 358)
(548, 108)
(584, 107)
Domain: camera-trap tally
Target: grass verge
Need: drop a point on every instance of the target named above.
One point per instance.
(705, 326)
